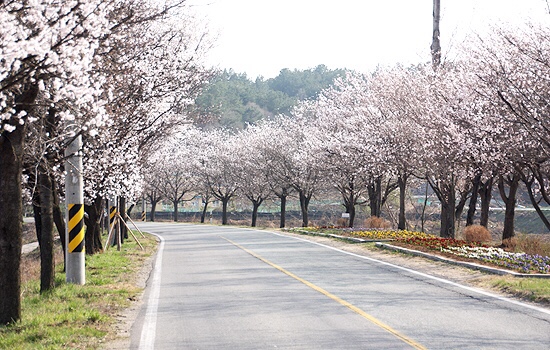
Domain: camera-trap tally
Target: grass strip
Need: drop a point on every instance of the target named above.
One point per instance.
(79, 317)
(533, 289)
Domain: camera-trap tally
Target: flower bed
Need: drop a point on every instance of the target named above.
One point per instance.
(521, 262)
(381, 234)
(436, 243)
(366, 233)
(461, 249)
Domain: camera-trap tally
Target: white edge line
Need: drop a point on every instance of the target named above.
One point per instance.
(148, 332)
(475, 290)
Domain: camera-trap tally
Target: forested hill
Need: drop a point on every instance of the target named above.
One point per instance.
(232, 99)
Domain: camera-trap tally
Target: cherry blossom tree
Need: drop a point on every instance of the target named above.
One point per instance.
(152, 188)
(391, 98)
(512, 70)
(43, 155)
(154, 63)
(218, 167)
(47, 49)
(60, 53)
(271, 153)
(254, 167)
(174, 166)
(297, 165)
(346, 141)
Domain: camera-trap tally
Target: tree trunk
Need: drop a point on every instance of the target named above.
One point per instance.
(402, 183)
(11, 209)
(446, 194)
(107, 219)
(47, 260)
(447, 221)
(390, 187)
(255, 206)
(459, 208)
(348, 195)
(304, 204)
(11, 230)
(510, 203)
(225, 201)
(448, 208)
(375, 197)
(37, 215)
(536, 205)
(93, 226)
(32, 174)
(485, 194)
(473, 201)
(423, 215)
(122, 213)
(58, 219)
(351, 211)
(436, 45)
(283, 211)
(204, 209)
(175, 203)
(153, 209)
(129, 210)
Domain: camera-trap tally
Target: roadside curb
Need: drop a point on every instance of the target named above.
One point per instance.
(29, 247)
(379, 243)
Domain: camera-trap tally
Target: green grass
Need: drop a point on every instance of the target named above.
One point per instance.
(79, 317)
(533, 289)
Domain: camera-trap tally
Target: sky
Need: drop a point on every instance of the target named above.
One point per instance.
(261, 37)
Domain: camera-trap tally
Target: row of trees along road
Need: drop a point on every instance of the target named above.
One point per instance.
(127, 72)
(122, 71)
(466, 127)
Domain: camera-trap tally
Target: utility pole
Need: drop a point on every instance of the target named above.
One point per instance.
(113, 223)
(143, 209)
(436, 43)
(74, 199)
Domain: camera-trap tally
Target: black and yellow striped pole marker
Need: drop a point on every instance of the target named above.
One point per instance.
(74, 197)
(113, 210)
(76, 228)
(112, 215)
(143, 209)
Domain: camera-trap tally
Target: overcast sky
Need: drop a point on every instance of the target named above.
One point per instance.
(261, 37)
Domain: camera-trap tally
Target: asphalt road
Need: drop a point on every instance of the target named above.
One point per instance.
(233, 288)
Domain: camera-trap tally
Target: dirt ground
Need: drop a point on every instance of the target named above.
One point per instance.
(29, 233)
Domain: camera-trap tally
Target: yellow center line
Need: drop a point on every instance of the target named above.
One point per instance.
(355, 309)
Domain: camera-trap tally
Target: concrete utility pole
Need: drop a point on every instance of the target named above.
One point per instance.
(143, 209)
(114, 226)
(436, 44)
(75, 212)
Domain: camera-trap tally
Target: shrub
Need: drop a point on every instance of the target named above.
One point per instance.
(532, 244)
(476, 233)
(376, 222)
(342, 222)
(510, 244)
